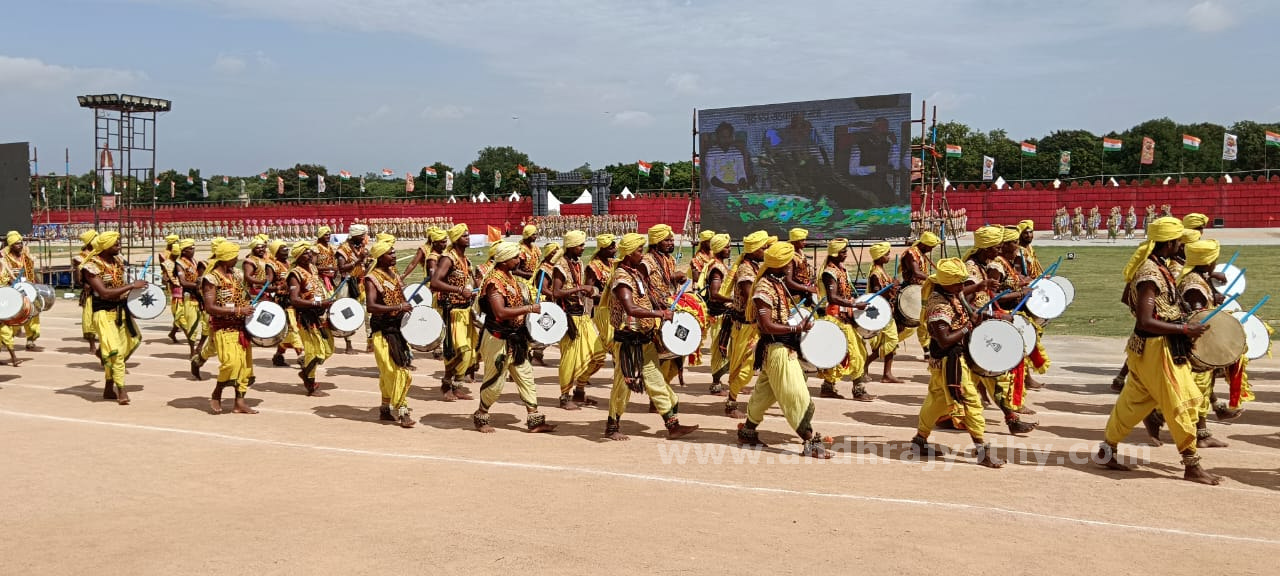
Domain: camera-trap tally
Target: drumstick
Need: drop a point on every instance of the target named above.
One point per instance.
(416, 290)
(1255, 308)
(1031, 288)
(340, 285)
(541, 279)
(680, 293)
(1233, 280)
(993, 301)
(1232, 260)
(1218, 309)
(260, 293)
(147, 267)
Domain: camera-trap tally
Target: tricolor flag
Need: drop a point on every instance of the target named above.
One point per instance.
(388, 172)
(697, 162)
(157, 182)
(225, 180)
(475, 172)
(263, 176)
(953, 150)
(190, 181)
(343, 174)
(1273, 139)
(524, 172)
(430, 172)
(1190, 142)
(1111, 144)
(303, 175)
(644, 167)
(1028, 149)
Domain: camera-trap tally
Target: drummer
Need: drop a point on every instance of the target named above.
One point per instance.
(800, 277)
(664, 279)
(278, 252)
(742, 342)
(948, 320)
(884, 343)
(258, 272)
(6, 331)
(542, 281)
(1159, 373)
(23, 268)
(598, 270)
(714, 274)
(350, 258)
(384, 293)
(1002, 269)
(307, 296)
(581, 351)
(171, 286)
(838, 291)
(429, 252)
(187, 275)
(915, 265)
(222, 290)
(504, 346)
(118, 334)
(781, 380)
(326, 261)
(204, 348)
(634, 318)
(530, 256)
(1026, 262)
(452, 285)
(86, 293)
(704, 254)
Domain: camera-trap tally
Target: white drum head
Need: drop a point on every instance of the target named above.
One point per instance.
(267, 321)
(422, 326)
(10, 302)
(1231, 272)
(877, 316)
(422, 298)
(548, 327)
(1232, 306)
(996, 346)
(346, 315)
(27, 289)
(1028, 333)
(1256, 336)
(1047, 301)
(682, 335)
(1067, 287)
(148, 302)
(825, 346)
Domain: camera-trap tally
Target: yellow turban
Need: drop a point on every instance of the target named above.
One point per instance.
(754, 241)
(1011, 234)
(550, 251)
(259, 240)
(275, 246)
(186, 243)
(435, 234)
(1195, 220)
(630, 243)
(321, 232)
(503, 251)
(1189, 236)
(719, 242)
(457, 232)
(225, 251)
(658, 233)
(836, 245)
(13, 237)
(530, 230)
(574, 238)
(384, 237)
(987, 236)
(1161, 229)
(929, 239)
(299, 248)
(379, 249)
(605, 241)
(706, 235)
(797, 234)
(1025, 225)
(770, 241)
(170, 239)
(105, 240)
(779, 255)
(880, 250)
(949, 272)
(357, 230)
(88, 235)
(1202, 253)
(175, 250)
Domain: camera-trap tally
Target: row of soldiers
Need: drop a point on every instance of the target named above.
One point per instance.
(1077, 226)
(556, 226)
(944, 223)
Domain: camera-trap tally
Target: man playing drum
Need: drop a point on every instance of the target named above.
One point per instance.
(350, 258)
(504, 346)
(781, 380)
(714, 275)
(453, 286)
(634, 318)
(86, 293)
(885, 342)
(1002, 269)
(384, 294)
(118, 335)
(598, 270)
(530, 256)
(703, 256)
(325, 260)
(167, 259)
(258, 273)
(226, 300)
(581, 351)
(547, 261)
(429, 252)
(187, 274)
(915, 265)
(278, 260)
(23, 267)
(6, 331)
(307, 295)
(664, 280)
(800, 277)
(742, 342)
(838, 291)
(1026, 263)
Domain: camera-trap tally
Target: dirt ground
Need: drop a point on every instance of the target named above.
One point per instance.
(317, 485)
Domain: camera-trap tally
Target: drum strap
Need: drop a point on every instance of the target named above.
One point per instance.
(791, 341)
(1179, 345)
(630, 357)
(726, 330)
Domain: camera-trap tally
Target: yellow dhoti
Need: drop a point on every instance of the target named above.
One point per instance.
(782, 382)
(655, 385)
(292, 335)
(393, 379)
(235, 359)
(855, 361)
(1155, 382)
(464, 336)
(742, 357)
(187, 316)
(118, 337)
(942, 401)
(86, 318)
(581, 357)
(317, 346)
(600, 317)
(719, 357)
(498, 367)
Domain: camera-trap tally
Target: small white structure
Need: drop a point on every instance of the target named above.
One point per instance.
(626, 193)
(553, 204)
(514, 197)
(1000, 183)
(584, 198)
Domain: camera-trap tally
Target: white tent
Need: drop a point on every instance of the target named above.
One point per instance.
(1000, 183)
(514, 197)
(482, 198)
(553, 204)
(452, 200)
(626, 193)
(584, 198)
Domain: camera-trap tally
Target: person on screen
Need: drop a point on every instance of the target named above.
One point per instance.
(874, 158)
(728, 169)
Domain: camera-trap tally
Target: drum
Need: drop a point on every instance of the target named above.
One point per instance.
(549, 326)
(1028, 333)
(422, 298)
(422, 328)
(1048, 301)
(29, 290)
(267, 325)
(346, 316)
(1221, 345)
(825, 345)
(15, 308)
(1231, 272)
(877, 316)
(1257, 337)
(47, 296)
(682, 336)
(1232, 306)
(148, 302)
(995, 347)
(910, 305)
(1067, 287)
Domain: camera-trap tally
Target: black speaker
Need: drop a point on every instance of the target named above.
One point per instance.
(15, 188)
(1219, 223)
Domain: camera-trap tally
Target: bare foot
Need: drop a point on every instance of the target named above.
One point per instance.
(864, 397)
(1200, 476)
(990, 460)
(1210, 442)
(891, 379)
(34, 348)
(1107, 459)
(486, 429)
(734, 413)
(195, 369)
(122, 397)
(617, 437)
(449, 396)
(542, 428)
(680, 431)
(17, 361)
(242, 408)
(570, 405)
(215, 406)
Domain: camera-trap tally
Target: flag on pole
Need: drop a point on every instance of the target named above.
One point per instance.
(190, 181)
(522, 171)
(430, 172)
(280, 185)
(988, 167)
(497, 179)
(1273, 139)
(1190, 142)
(1111, 144)
(303, 175)
(644, 167)
(448, 180)
(388, 172)
(1229, 149)
(263, 176)
(343, 174)
(494, 234)
(475, 172)
(157, 183)
(1064, 162)
(666, 175)
(362, 183)
(225, 181)
(1148, 151)
(1028, 149)
(408, 182)
(204, 188)
(697, 163)
(319, 184)
(953, 150)
(171, 186)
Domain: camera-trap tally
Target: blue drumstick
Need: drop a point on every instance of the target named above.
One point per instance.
(1255, 308)
(1217, 310)
(419, 288)
(993, 300)
(1232, 260)
(680, 293)
(260, 293)
(147, 267)
(1233, 280)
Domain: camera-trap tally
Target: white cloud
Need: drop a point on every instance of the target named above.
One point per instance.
(1209, 17)
(376, 114)
(632, 118)
(684, 83)
(446, 112)
(229, 65)
(31, 74)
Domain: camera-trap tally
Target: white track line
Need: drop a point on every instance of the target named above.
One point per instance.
(737, 488)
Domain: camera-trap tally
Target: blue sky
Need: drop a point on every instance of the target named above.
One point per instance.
(363, 85)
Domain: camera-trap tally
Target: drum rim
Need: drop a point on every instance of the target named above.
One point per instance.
(694, 320)
(974, 333)
(844, 350)
(1055, 286)
(1202, 361)
(858, 314)
(428, 310)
